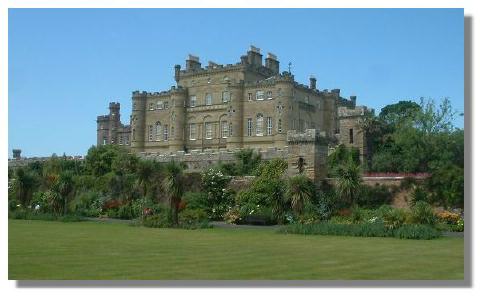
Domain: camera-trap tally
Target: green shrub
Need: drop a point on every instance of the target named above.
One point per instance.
(394, 218)
(325, 228)
(374, 196)
(192, 217)
(363, 230)
(158, 221)
(422, 213)
(418, 194)
(356, 216)
(23, 214)
(416, 231)
(196, 200)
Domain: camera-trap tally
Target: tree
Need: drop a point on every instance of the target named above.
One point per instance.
(399, 113)
(300, 192)
(65, 187)
(348, 181)
(145, 173)
(173, 186)
(24, 184)
(247, 161)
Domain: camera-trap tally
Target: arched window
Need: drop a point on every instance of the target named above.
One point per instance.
(158, 131)
(259, 127)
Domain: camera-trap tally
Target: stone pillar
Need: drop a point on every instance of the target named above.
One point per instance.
(307, 154)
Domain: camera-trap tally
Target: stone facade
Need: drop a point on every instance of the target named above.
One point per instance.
(249, 104)
(350, 132)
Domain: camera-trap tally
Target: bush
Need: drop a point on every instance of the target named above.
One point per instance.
(393, 218)
(448, 217)
(23, 214)
(232, 216)
(374, 196)
(191, 217)
(422, 213)
(158, 221)
(196, 200)
(415, 231)
(363, 230)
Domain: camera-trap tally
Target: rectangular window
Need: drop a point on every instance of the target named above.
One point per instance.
(259, 130)
(121, 140)
(127, 140)
(225, 96)
(249, 127)
(279, 126)
(208, 130)
(165, 104)
(269, 95)
(150, 106)
(165, 132)
(193, 101)
(224, 129)
(260, 95)
(351, 136)
(193, 131)
(208, 99)
(250, 96)
(159, 105)
(269, 126)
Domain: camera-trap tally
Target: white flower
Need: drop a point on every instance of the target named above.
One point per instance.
(19, 205)
(37, 207)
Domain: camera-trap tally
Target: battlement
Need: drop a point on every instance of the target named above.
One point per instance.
(346, 111)
(309, 136)
(103, 118)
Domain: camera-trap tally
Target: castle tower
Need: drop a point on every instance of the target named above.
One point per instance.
(114, 122)
(177, 119)
(307, 154)
(139, 106)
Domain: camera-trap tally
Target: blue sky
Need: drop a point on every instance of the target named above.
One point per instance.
(65, 65)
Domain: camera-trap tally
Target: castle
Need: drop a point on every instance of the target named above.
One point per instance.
(249, 104)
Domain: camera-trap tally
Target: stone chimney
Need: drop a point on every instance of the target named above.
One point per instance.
(177, 72)
(313, 82)
(254, 56)
(272, 63)
(354, 100)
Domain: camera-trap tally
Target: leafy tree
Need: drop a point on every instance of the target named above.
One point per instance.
(399, 113)
(65, 188)
(173, 185)
(25, 184)
(247, 161)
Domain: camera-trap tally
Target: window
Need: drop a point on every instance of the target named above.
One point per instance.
(279, 126)
(150, 106)
(351, 136)
(208, 130)
(224, 129)
(250, 96)
(307, 99)
(225, 96)
(133, 134)
(104, 141)
(159, 105)
(259, 127)
(134, 107)
(121, 140)
(193, 101)
(260, 96)
(193, 131)
(165, 132)
(269, 126)
(249, 127)
(158, 131)
(150, 132)
(165, 104)
(269, 95)
(127, 139)
(208, 99)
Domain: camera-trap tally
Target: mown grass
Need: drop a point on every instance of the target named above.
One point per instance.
(93, 250)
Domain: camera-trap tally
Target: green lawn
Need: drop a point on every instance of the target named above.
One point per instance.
(92, 250)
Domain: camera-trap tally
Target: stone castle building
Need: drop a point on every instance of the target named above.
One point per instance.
(249, 104)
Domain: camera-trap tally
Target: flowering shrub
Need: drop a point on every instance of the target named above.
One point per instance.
(232, 216)
(219, 199)
(448, 217)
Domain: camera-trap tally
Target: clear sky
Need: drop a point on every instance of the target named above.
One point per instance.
(66, 65)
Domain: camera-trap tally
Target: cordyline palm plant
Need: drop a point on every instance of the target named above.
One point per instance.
(173, 186)
(300, 192)
(146, 172)
(348, 181)
(65, 187)
(25, 183)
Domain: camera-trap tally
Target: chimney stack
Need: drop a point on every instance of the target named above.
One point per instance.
(193, 63)
(254, 56)
(313, 82)
(272, 63)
